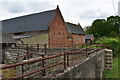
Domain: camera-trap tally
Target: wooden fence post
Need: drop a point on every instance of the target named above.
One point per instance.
(37, 47)
(67, 59)
(27, 54)
(45, 47)
(64, 56)
(86, 51)
(43, 65)
(22, 69)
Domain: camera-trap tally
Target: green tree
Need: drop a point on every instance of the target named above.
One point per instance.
(102, 27)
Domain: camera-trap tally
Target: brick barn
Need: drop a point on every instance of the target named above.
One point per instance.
(46, 27)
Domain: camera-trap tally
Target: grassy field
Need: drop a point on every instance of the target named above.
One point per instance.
(114, 73)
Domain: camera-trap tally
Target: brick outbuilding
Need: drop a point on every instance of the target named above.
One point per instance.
(89, 38)
(76, 33)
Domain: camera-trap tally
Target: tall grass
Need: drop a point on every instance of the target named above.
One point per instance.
(114, 72)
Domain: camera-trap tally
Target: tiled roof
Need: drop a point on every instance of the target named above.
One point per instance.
(74, 29)
(34, 22)
(88, 36)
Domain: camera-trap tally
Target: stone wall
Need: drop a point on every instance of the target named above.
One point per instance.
(51, 51)
(10, 56)
(92, 67)
(18, 55)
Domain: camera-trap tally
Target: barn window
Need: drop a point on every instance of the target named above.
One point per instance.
(69, 37)
(59, 33)
(58, 22)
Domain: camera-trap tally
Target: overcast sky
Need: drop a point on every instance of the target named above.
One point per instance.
(75, 11)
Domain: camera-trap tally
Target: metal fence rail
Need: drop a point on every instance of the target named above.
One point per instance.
(65, 61)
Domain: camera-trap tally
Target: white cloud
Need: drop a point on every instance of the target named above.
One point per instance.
(119, 9)
(82, 11)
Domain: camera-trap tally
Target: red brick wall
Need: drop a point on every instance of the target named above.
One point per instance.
(58, 32)
(78, 39)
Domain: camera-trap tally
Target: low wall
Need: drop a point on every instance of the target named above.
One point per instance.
(92, 67)
(55, 50)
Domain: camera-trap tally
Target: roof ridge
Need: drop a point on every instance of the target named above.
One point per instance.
(72, 23)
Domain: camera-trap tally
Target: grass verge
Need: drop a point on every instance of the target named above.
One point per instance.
(114, 72)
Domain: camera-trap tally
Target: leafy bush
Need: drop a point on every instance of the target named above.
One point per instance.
(104, 40)
(111, 43)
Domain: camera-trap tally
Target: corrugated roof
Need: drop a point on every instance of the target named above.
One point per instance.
(6, 38)
(25, 35)
(74, 29)
(33, 22)
(88, 36)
